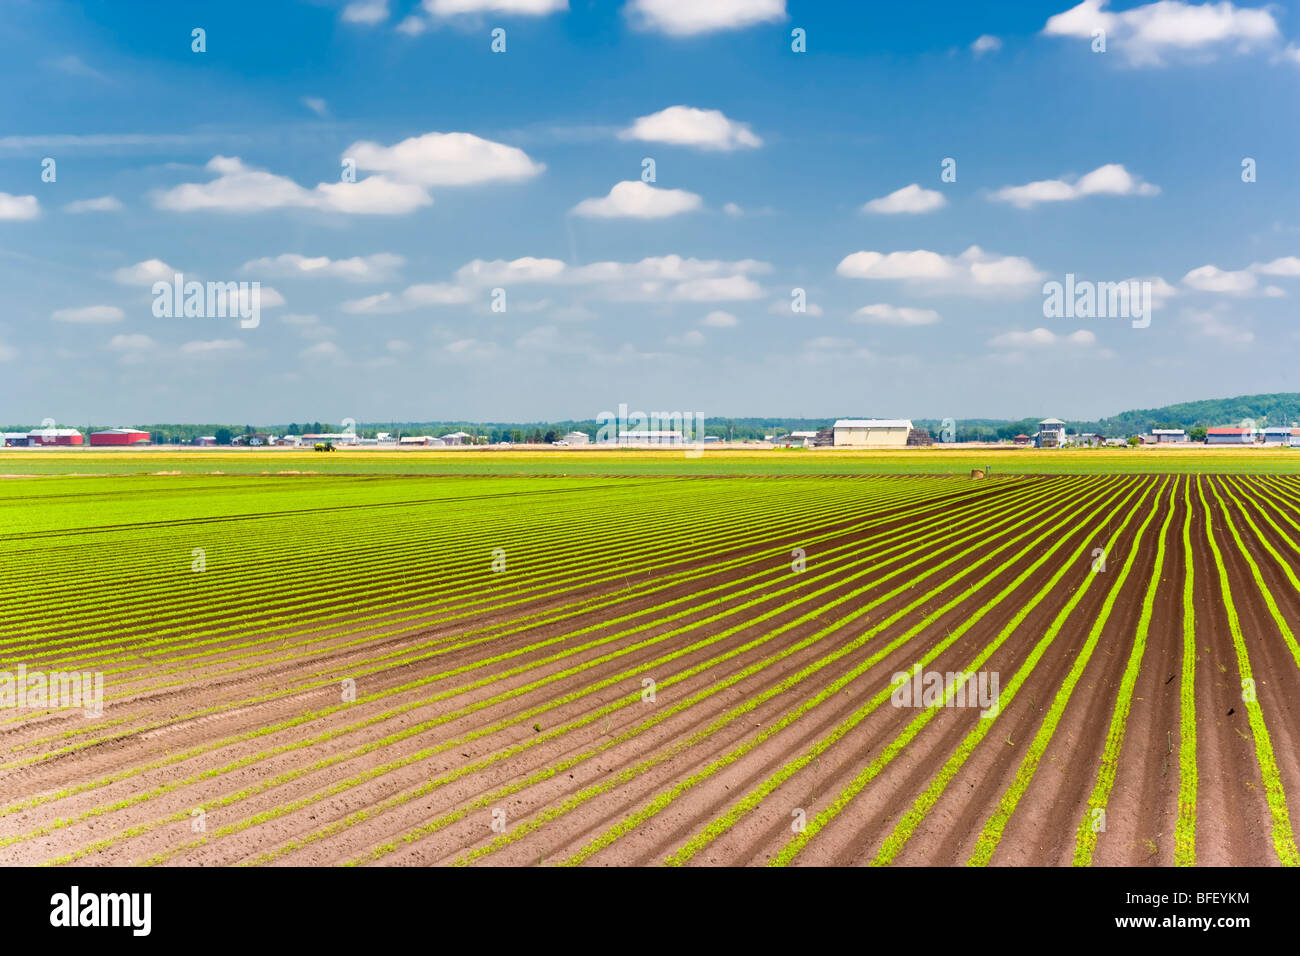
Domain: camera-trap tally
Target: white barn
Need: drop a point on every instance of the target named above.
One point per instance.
(876, 432)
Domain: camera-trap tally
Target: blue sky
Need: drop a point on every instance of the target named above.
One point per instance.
(522, 171)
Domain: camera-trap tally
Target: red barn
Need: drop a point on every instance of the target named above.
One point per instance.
(119, 436)
(54, 436)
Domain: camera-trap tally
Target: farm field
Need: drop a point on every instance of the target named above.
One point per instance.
(738, 460)
(644, 668)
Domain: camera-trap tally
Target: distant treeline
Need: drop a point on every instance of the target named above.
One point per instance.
(1273, 409)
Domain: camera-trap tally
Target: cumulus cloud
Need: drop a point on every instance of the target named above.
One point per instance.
(973, 271)
(412, 297)
(691, 17)
(365, 12)
(692, 339)
(1109, 180)
(144, 273)
(688, 126)
(445, 159)
(1149, 33)
(89, 314)
(1285, 266)
(986, 43)
(15, 208)
(131, 343)
(1040, 339)
(99, 204)
(316, 105)
(238, 188)
(720, 320)
(372, 268)
(633, 199)
(909, 199)
(453, 8)
(884, 314)
(1210, 278)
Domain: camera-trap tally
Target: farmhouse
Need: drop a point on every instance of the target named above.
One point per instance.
(1229, 436)
(1277, 435)
(1167, 436)
(878, 432)
(577, 438)
(119, 436)
(1051, 433)
(54, 436)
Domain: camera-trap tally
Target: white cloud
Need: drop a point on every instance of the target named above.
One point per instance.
(895, 315)
(720, 320)
(88, 315)
(691, 17)
(986, 43)
(1211, 278)
(1043, 338)
(131, 343)
(100, 204)
(1146, 34)
(533, 8)
(733, 210)
(366, 12)
(725, 289)
(657, 278)
(688, 126)
(18, 207)
(633, 199)
(909, 199)
(413, 297)
(445, 159)
(322, 351)
(1285, 266)
(973, 271)
(414, 26)
(638, 200)
(1110, 180)
(241, 189)
(7, 353)
(316, 105)
(372, 268)
(212, 347)
(144, 273)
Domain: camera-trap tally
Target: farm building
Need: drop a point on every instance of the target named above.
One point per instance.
(206, 440)
(649, 436)
(54, 436)
(577, 438)
(1022, 439)
(119, 436)
(1166, 436)
(458, 438)
(879, 432)
(1229, 436)
(417, 441)
(1051, 433)
(1277, 435)
(335, 438)
(13, 439)
(1295, 438)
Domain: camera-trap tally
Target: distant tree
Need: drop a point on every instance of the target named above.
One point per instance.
(1134, 441)
(550, 436)
(316, 428)
(223, 436)
(1197, 434)
(293, 429)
